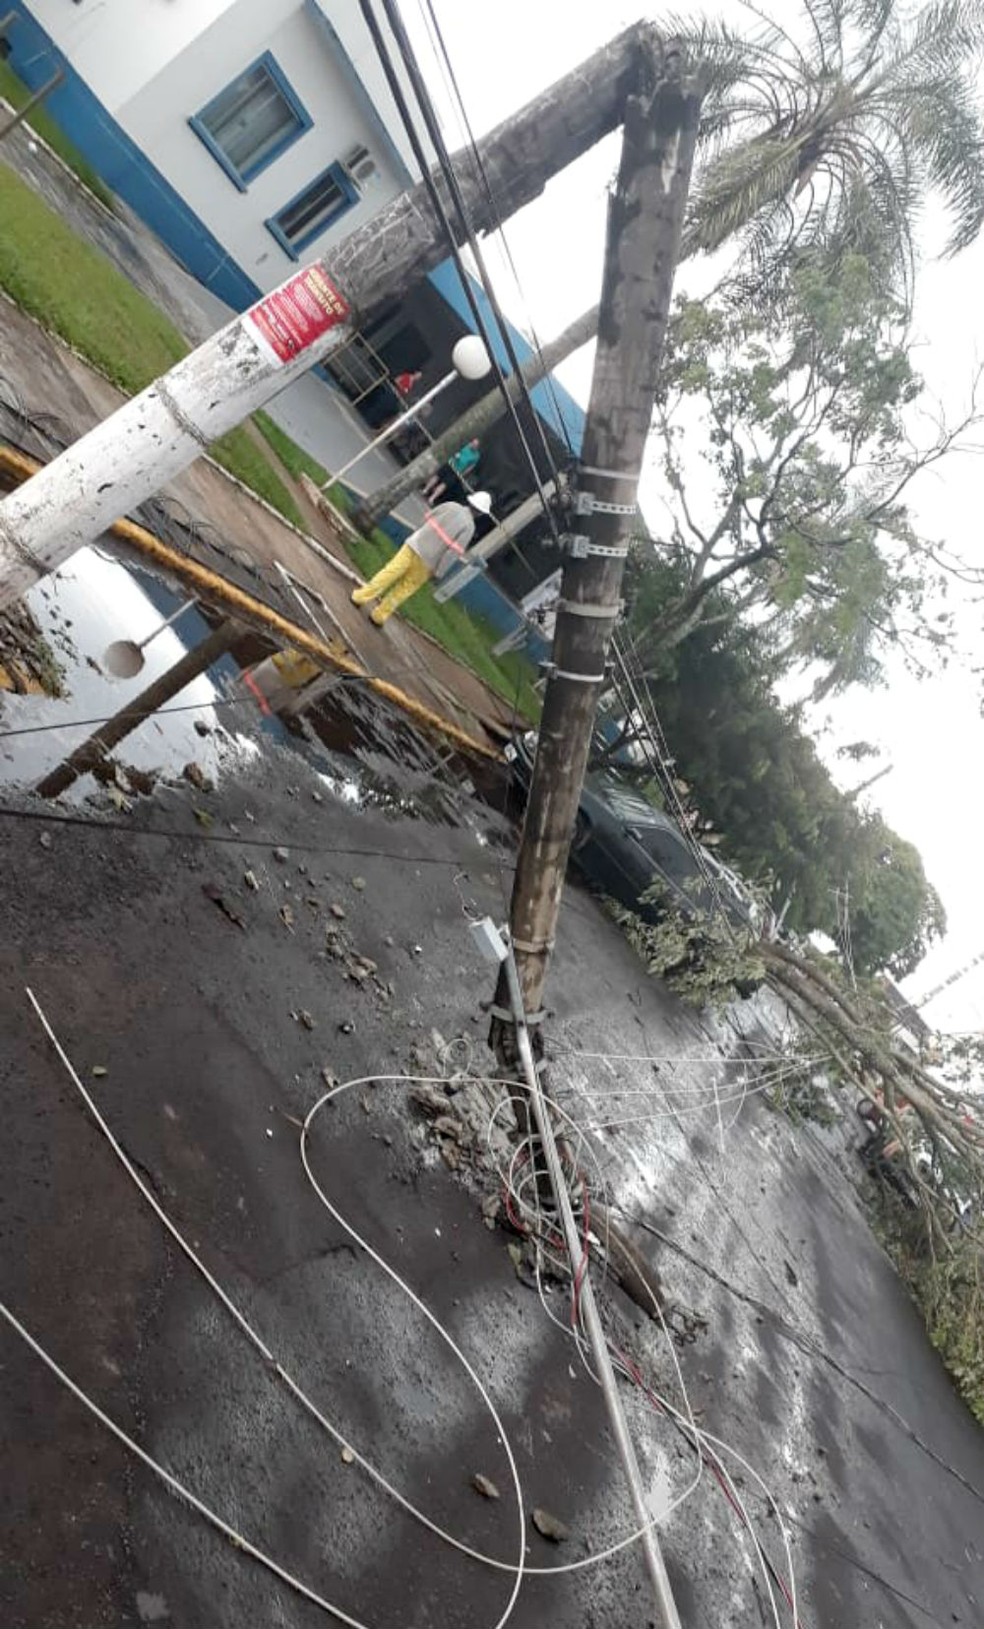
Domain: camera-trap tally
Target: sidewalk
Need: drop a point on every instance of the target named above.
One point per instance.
(317, 417)
(255, 536)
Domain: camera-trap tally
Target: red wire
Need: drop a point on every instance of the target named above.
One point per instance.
(712, 1465)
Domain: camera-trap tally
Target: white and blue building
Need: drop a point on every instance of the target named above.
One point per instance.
(250, 135)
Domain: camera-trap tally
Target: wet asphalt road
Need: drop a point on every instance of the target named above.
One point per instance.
(814, 1364)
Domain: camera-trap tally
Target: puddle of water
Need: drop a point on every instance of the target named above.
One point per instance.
(365, 753)
(82, 609)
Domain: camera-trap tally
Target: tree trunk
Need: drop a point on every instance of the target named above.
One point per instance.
(474, 422)
(152, 438)
(644, 226)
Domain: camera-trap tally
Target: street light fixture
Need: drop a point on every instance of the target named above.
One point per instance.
(469, 360)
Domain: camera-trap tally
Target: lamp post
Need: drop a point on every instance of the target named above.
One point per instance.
(470, 360)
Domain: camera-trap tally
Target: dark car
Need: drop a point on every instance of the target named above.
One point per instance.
(626, 847)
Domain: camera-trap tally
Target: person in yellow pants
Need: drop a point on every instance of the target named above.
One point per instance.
(394, 583)
(448, 529)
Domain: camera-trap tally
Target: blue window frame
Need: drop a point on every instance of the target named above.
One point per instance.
(254, 119)
(322, 202)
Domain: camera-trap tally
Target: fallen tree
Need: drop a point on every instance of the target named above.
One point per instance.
(845, 1039)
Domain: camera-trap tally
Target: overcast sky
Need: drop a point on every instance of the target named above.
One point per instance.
(932, 730)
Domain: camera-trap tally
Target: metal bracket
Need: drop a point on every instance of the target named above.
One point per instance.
(533, 947)
(579, 546)
(607, 474)
(507, 1016)
(585, 503)
(574, 608)
(555, 672)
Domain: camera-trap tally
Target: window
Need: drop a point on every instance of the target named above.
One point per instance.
(252, 121)
(319, 206)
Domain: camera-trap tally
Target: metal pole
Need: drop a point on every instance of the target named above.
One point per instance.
(393, 426)
(667, 1615)
(31, 103)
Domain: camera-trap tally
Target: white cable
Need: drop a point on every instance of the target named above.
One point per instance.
(476, 1555)
(240, 1540)
(173, 1482)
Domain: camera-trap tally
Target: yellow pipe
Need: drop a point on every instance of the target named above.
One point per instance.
(212, 586)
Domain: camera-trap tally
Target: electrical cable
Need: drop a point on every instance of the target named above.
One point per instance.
(161, 712)
(442, 54)
(437, 203)
(350, 851)
(269, 1356)
(433, 127)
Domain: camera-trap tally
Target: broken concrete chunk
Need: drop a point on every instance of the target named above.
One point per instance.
(337, 911)
(348, 1458)
(485, 1487)
(549, 1526)
(195, 775)
(281, 854)
(252, 881)
(302, 1016)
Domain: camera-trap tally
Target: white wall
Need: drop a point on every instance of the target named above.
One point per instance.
(346, 19)
(157, 120)
(117, 45)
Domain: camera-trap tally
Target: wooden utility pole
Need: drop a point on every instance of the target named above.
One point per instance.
(116, 466)
(474, 422)
(644, 228)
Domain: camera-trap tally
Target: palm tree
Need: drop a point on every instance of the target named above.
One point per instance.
(837, 140)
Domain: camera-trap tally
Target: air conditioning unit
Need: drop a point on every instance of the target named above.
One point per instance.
(361, 166)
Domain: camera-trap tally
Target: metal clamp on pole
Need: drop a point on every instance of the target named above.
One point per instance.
(579, 546)
(585, 503)
(606, 474)
(554, 672)
(575, 608)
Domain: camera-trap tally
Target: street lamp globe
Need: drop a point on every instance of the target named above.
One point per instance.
(470, 358)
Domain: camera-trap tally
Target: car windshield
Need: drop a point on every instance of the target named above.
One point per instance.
(627, 805)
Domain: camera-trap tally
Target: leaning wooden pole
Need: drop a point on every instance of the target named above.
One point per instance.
(644, 230)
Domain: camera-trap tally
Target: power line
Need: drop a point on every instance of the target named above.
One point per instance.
(447, 166)
(441, 50)
(437, 202)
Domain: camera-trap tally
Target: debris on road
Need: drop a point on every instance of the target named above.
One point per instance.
(485, 1487)
(302, 1016)
(252, 881)
(215, 894)
(549, 1526)
(337, 911)
(281, 854)
(195, 775)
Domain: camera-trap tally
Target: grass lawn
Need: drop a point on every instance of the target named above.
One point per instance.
(75, 292)
(468, 637)
(14, 91)
(464, 635)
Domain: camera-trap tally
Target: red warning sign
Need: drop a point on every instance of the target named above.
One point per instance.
(297, 313)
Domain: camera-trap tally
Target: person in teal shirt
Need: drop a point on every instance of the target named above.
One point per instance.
(458, 467)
